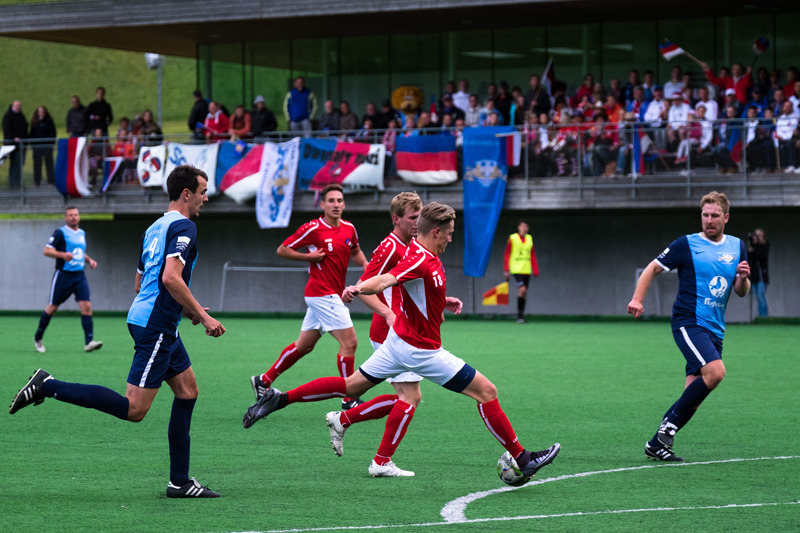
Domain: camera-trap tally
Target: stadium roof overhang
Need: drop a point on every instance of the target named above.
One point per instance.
(175, 27)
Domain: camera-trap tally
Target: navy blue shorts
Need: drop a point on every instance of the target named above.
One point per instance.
(699, 346)
(66, 283)
(522, 279)
(158, 357)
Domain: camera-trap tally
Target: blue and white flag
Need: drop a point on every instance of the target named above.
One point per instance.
(202, 156)
(485, 174)
(278, 176)
(5, 151)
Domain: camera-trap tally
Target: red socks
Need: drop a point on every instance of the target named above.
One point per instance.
(396, 425)
(499, 426)
(319, 389)
(374, 409)
(289, 356)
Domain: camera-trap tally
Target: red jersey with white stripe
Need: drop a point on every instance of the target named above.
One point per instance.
(327, 276)
(422, 289)
(388, 253)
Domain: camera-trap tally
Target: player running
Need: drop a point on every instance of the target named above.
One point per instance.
(166, 261)
(404, 210)
(67, 246)
(414, 343)
(331, 243)
(709, 265)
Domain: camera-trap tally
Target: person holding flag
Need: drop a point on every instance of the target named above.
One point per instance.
(520, 260)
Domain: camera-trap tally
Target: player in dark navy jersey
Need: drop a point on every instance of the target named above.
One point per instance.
(710, 264)
(67, 246)
(166, 260)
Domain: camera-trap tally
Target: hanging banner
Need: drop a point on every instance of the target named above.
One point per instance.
(72, 167)
(202, 156)
(427, 159)
(485, 174)
(151, 165)
(276, 192)
(350, 164)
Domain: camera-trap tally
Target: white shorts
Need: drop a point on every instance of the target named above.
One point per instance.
(326, 313)
(396, 356)
(405, 377)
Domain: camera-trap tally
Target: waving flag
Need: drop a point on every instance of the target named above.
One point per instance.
(241, 181)
(326, 161)
(735, 143)
(670, 50)
(276, 190)
(641, 143)
(229, 154)
(497, 295)
(202, 156)
(5, 151)
(150, 168)
(427, 159)
(72, 167)
(760, 46)
(111, 165)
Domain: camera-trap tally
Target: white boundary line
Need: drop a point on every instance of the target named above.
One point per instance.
(453, 512)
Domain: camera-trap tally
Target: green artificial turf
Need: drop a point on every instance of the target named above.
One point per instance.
(599, 388)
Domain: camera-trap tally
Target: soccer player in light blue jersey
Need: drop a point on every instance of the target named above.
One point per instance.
(166, 261)
(67, 246)
(710, 264)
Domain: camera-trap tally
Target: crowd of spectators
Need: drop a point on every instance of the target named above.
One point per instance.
(689, 120)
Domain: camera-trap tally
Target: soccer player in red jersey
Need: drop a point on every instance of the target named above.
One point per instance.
(414, 344)
(404, 210)
(331, 244)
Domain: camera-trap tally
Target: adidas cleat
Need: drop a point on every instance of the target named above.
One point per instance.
(661, 453)
(666, 433)
(352, 402)
(192, 489)
(38, 346)
(92, 346)
(267, 404)
(31, 393)
(388, 470)
(333, 420)
(537, 460)
(258, 386)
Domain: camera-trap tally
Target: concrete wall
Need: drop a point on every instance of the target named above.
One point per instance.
(587, 260)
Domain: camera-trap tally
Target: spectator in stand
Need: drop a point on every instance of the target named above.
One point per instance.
(648, 85)
(300, 106)
(758, 140)
(329, 121)
(677, 122)
(600, 90)
(365, 134)
(794, 98)
(585, 107)
(77, 118)
(348, 121)
(197, 116)
(262, 119)
(425, 125)
(241, 124)
(691, 94)
(626, 131)
(488, 109)
(100, 115)
(389, 113)
(614, 89)
(587, 89)
(786, 133)
(636, 104)
(711, 106)
(758, 257)
(458, 131)
(778, 98)
(761, 81)
(791, 78)
(150, 132)
(627, 91)
(472, 116)
(537, 101)
(15, 129)
(372, 114)
(448, 108)
(740, 80)
(449, 89)
(492, 91)
(654, 115)
(518, 112)
(726, 139)
(124, 147)
(774, 84)
(124, 127)
(390, 137)
(216, 124)
(706, 130)
(601, 142)
(446, 126)
(461, 97)
(675, 83)
(98, 150)
(731, 100)
(558, 92)
(690, 139)
(495, 119)
(613, 110)
(503, 103)
(758, 101)
(43, 127)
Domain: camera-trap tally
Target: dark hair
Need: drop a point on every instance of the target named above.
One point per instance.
(70, 208)
(197, 93)
(183, 177)
(330, 187)
(101, 88)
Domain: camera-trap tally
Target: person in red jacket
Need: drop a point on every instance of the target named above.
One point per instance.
(740, 80)
(216, 124)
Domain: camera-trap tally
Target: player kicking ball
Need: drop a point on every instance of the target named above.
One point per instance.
(414, 343)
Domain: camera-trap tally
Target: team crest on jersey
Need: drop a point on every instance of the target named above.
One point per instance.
(726, 258)
(718, 286)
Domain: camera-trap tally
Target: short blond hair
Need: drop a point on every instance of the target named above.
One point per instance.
(434, 215)
(405, 202)
(718, 198)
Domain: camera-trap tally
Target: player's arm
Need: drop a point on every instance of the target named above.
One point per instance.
(506, 272)
(293, 255)
(636, 307)
(741, 284)
(358, 257)
(373, 285)
(137, 282)
(378, 307)
(51, 252)
(173, 280)
(453, 304)
(91, 262)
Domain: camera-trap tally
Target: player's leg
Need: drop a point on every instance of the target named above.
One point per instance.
(83, 297)
(397, 423)
(522, 295)
(58, 294)
(346, 358)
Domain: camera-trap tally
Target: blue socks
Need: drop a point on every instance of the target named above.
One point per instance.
(686, 406)
(89, 396)
(88, 328)
(178, 433)
(44, 320)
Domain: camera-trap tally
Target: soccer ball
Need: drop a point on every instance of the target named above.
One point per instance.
(509, 472)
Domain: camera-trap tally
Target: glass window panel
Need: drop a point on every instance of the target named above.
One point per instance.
(518, 54)
(469, 55)
(576, 52)
(227, 72)
(624, 50)
(268, 73)
(786, 43)
(416, 61)
(696, 36)
(365, 71)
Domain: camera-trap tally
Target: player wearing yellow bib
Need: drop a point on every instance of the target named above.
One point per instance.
(520, 261)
